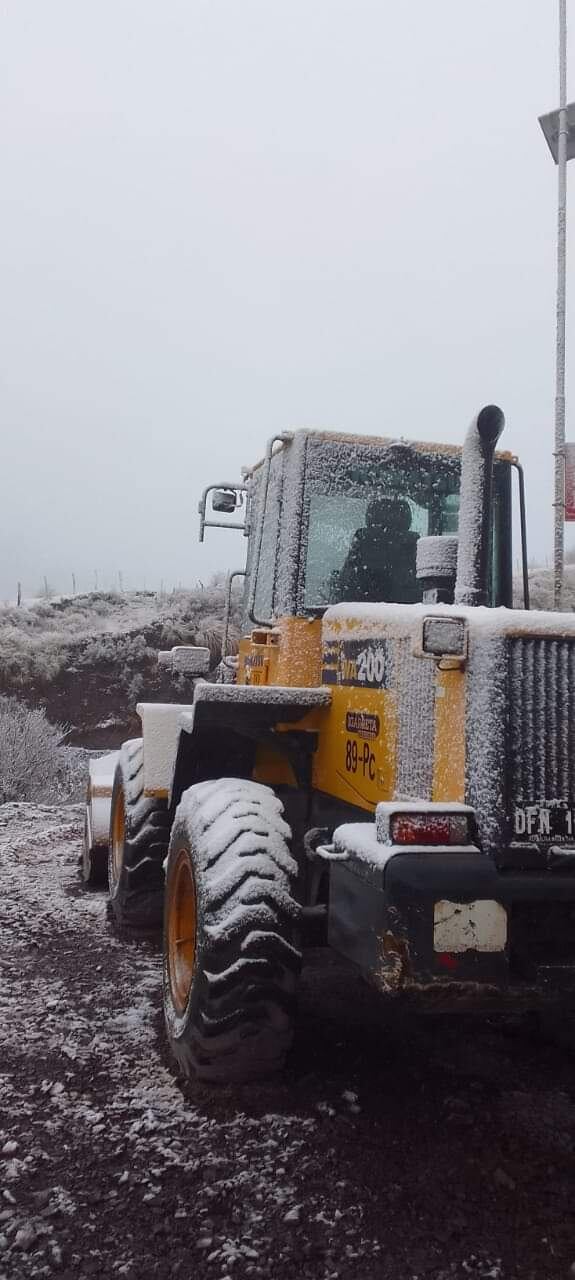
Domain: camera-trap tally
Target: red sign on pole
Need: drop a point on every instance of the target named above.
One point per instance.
(569, 482)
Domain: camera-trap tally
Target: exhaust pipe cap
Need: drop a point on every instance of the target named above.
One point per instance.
(475, 508)
(490, 423)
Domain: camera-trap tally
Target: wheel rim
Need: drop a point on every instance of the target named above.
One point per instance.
(181, 931)
(118, 840)
(86, 867)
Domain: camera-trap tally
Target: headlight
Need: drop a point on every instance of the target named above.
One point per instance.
(445, 637)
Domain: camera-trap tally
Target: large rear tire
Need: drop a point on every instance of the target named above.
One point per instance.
(231, 953)
(139, 836)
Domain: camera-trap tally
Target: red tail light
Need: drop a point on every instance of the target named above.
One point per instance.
(429, 829)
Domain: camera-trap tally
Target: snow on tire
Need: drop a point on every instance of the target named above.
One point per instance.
(139, 835)
(231, 954)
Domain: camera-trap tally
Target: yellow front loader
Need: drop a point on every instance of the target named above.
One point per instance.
(390, 757)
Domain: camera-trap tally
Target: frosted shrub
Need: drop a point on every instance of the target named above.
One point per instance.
(33, 763)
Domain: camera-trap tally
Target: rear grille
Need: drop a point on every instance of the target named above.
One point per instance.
(542, 719)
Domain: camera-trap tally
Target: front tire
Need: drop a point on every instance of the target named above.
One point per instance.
(231, 923)
(139, 835)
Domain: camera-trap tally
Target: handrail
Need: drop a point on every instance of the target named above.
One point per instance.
(236, 573)
(523, 523)
(283, 437)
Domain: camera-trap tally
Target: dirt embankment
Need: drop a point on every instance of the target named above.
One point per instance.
(89, 659)
(94, 694)
(391, 1149)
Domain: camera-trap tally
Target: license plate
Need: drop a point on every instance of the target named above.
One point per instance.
(552, 822)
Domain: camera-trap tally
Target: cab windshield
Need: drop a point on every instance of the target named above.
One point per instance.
(365, 509)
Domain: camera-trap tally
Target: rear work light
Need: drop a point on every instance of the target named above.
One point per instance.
(444, 637)
(429, 829)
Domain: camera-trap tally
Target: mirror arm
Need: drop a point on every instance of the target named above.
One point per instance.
(217, 524)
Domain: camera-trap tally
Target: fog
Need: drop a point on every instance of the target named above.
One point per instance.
(221, 220)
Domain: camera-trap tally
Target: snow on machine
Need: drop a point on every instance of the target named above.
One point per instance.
(393, 762)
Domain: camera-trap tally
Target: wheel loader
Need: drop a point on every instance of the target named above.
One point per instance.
(389, 759)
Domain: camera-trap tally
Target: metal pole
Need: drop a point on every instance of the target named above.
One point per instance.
(559, 503)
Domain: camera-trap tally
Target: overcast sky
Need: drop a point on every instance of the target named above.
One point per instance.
(224, 218)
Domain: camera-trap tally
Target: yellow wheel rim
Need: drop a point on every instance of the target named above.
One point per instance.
(118, 839)
(86, 851)
(182, 931)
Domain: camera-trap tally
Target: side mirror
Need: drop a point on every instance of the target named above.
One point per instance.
(226, 500)
(185, 659)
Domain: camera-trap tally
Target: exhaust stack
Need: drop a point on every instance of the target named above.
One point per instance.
(475, 507)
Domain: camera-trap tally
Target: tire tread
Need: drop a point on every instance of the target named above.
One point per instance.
(239, 1021)
(138, 900)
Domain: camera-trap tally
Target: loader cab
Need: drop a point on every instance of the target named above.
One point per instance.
(336, 518)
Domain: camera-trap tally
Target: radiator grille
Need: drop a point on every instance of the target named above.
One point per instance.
(542, 719)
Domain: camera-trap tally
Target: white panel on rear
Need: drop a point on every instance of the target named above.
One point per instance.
(469, 926)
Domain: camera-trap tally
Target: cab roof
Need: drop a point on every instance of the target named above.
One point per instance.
(375, 442)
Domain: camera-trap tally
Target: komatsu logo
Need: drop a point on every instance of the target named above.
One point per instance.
(362, 723)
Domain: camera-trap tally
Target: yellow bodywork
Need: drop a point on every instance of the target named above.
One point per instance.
(449, 737)
(358, 765)
(286, 654)
(356, 756)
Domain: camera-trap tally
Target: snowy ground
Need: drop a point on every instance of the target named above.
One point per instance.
(393, 1149)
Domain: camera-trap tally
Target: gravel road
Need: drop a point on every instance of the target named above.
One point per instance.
(393, 1148)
